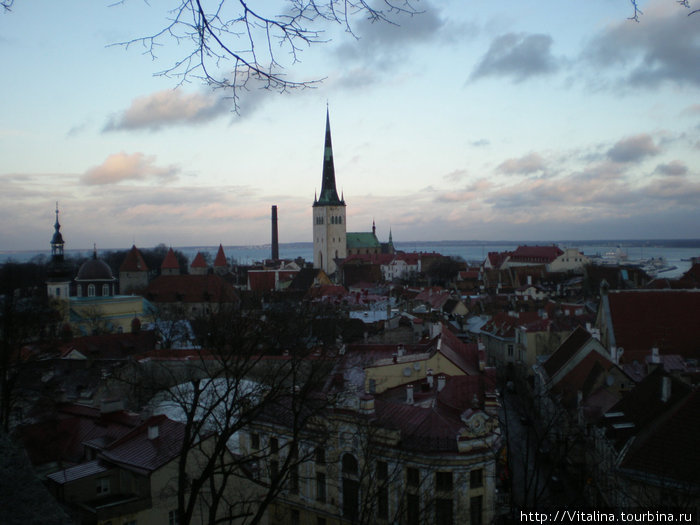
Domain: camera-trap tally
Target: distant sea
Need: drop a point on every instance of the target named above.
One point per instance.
(676, 252)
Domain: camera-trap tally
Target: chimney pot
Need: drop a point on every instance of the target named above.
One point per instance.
(409, 394)
(153, 432)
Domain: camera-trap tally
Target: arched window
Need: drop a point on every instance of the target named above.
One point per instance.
(105, 290)
(91, 290)
(351, 487)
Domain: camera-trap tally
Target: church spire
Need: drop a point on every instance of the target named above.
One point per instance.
(329, 193)
(57, 240)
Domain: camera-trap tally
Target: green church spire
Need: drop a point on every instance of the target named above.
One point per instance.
(329, 193)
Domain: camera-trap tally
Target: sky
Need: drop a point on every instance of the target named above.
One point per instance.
(472, 120)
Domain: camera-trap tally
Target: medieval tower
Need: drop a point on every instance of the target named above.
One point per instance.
(330, 236)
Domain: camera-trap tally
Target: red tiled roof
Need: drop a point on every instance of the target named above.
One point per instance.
(191, 289)
(460, 392)
(134, 261)
(170, 261)
(425, 429)
(496, 259)
(199, 261)
(670, 450)
(111, 346)
(220, 258)
(465, 356)
(541, 254)
(566, 351)
(62, 438)
(667, 319)
(137, 450)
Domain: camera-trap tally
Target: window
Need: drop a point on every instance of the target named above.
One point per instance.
(105, 290)
(173, 518)
(102, 486)
(443, 511)
(476, 510)
(349, 465)
(320, 455)
(476, 478)
(383, 503)
(294, 479)
(382, 470)
(510, 350)
(80, 291)
(91, 290)
(412, 477)
(274, 446)
(351, 498)
(58, 292)
(255, 441)
(412, 509)
(443, 481)
(320, 487)
(351, 487)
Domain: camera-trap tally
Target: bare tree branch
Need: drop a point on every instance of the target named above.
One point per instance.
(230, 45)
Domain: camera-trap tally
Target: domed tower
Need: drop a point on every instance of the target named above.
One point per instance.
(58, 281)
(95, 279)
(330, 235)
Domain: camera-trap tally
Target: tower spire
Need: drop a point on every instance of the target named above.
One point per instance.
(329, 193)
(57, 240)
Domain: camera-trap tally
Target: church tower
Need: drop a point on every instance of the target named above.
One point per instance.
(59, 278)
(330, 236)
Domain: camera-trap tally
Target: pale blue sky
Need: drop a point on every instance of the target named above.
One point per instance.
(474, 120)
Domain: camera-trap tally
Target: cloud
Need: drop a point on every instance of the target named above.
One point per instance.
(519, 56)
(692, 110)
(169, 108)
(455, 175)
(480, 142)
(530, 163)
(663, 47)
(633, 149)
(675, 167)
(122, 166)
(380, 47)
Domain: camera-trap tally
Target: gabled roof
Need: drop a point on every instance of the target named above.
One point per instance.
(361, 240)
(464, 356)
(199, 261)
(424, 429)
(644, 404)
(535, 254)
(138, 451)
(496, 259)
(666, 319)
(63, 438)
(670, 448)
(111, 346)
(220, 259)
(170, 261)
(571, 345)
(134, 261)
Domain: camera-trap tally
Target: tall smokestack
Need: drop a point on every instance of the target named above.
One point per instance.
(275, 239)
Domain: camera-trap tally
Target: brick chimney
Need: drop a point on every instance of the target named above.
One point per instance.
(275, 255)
